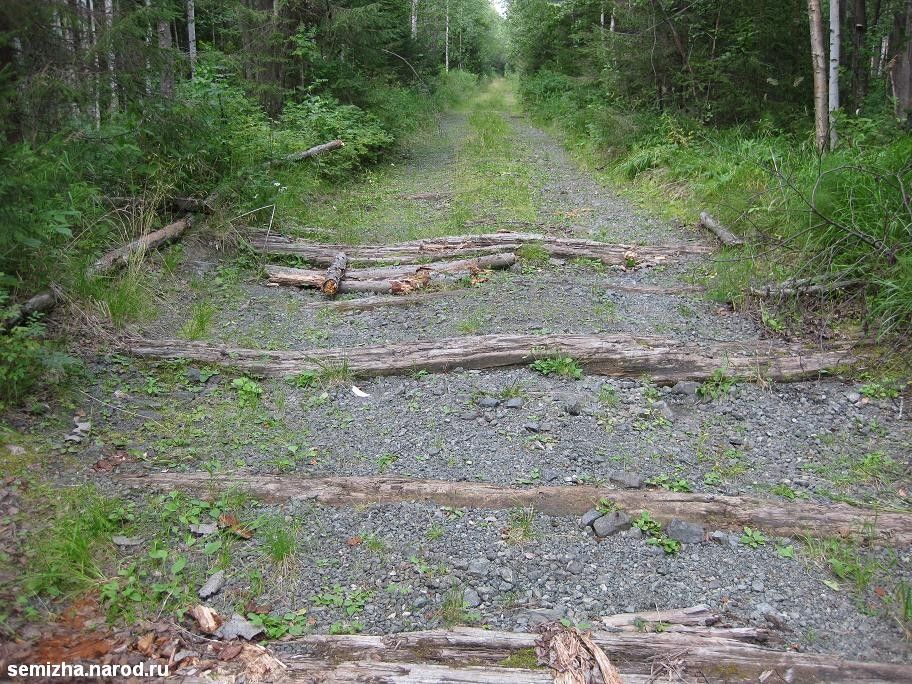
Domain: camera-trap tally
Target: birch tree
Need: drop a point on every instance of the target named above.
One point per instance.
(835, 42)
(819, 67)
(191, 36)
(112, 67)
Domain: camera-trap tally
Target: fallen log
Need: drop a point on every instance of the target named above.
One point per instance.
(792, 288)
(710, 510)
(665, 360)
(725, 236)
(705, 658)
(185, 204)
(472, 245)
(283, 275)
(334, 275)
(121, 256)
(314, 151)
(39, 303)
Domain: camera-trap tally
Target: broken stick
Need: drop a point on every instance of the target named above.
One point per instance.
(726, 237)
(314, 151)
(121, 256)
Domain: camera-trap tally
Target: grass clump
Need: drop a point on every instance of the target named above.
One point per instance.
(564, 366)
(202, 314)
(521, 526)
(717, 385)
(533, 253)
(454, 610)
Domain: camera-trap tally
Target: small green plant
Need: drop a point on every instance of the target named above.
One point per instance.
(201, 316)
(845, 560)
(671, 484)
(786, 551)
(533, 253)
(716, 385)
(606, 506)
(373, 543)
(771, 322)
(454, 610)
(512, 392)
(712, 478)
(339, 627)
(668, 545)
(472, 324)
(784, 491)
(558, 365)
(753, 538)
(434, 532)
(647, 525)
(276, 627)
(523, 659)
(352, 601)
(876, 465)
(608, 396)
(280, 541)
(521, 526)
(248, 391)
(384, 461)
(885, 388)
(22, 360)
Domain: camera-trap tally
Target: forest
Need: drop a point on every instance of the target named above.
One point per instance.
(549, 340)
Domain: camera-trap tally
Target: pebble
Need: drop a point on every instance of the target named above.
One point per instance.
(685, 532)
(612, 523)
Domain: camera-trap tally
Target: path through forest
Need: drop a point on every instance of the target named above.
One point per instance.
(442, 549)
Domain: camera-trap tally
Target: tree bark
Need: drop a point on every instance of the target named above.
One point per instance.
(334, 275)
(191, 36)
(39, 303)
(314, 151)
(446, 40)
(819, 68)
(467, 245)
(119, 257)
(859, 40)
(835, 49)
(713, 511)
(167, 70)
(665, 360)
(414, 20)
(726, 237)
(284, 275)
(112, 68)
(901, 70)
(634, 654)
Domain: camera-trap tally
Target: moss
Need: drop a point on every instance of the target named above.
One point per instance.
(523, 659)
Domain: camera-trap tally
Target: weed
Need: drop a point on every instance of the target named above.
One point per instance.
(606, 506)
(521, 527)
(717, 385)
(512, 392)
(523, 659)
(533, 253)
(385, 461)
(434, 532)
(668, 545)
(248, 391)
(608, 396)
(784, 491)
(876, 466)
(558, 365)
(647, 525)
(786, 551)
(712, 478)
(844, 559)
(353, 627)
(752, 538)
(885, 388)
(352, 601)
(22, 360)
(279, 541)
(472, 324)
(454, 610)
(532, 478)
(275, 627)
(201, 316)
(671, 484)
(373, 543)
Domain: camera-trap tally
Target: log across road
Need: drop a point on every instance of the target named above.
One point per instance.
(714, 511)
(664, 360)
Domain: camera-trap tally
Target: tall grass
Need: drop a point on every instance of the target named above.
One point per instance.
(846, 214)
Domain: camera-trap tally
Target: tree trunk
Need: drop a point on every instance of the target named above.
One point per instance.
(859, 45)
(726, 237)
(901, 70)
(121, 256)
(334, 275)
(835, 50)
(414, 20)
(92, 33)
(112, 68)
(819, 66)
(665, 360)
(191, 36)
(466, 245)
(710, 510)
(446, 46)
(284, 275)
(314, 151)
(167, 71)
(39, 303)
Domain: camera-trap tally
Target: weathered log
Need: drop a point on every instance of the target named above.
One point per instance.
(283, 275)
(725, 236)
(39, 303)
(665, 360)
(121, 256)
(334, 275)
(711, 510)
(318, 671)
(185, 204)
(713, 659)
(472, 245)
(792, 288)
(314, 151)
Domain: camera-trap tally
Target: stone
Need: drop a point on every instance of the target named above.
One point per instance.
(488, 402)
(612, 523)
(479, 566)
(664, 409)
(686, 387)
(506, 574)
(532, 427)
(126, 541)
(589, 517)
(853, 397)
(574, 567)
(213, 585)
(685, 532)
(513, 403)
(471, 598)
(627, 479)
(574, 409)
(204, 529)
(236, 627)
(540, 616)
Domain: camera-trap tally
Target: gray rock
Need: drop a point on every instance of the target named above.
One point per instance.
(540, 616)
(471, 598)
(236, 627)
(506, 574)
(532, 427)
(664, 409)
(488, 402)
(213, 585)
(574, 567)
(853, 397)
(204, 529)
(126, 541)
(479, 566)
(611, 524)
(627, 479)
(686, 387)
(513, 403)
(589, 517)
(685, 532)
(574, 409)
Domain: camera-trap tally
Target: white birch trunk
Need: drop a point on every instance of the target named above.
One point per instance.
(191, 36)
(89, 7)
(148, 79)
(818, 62)
(414, 20)
(112, 73)
(835, 45)
(446, 46)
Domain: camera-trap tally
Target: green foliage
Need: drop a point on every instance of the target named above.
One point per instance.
(558, 365)
(752, 538)
(717, 385)
(647, 525)
(276, 627)
(21, 362)
(248, 391)
(670, 483)
(533, 253)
